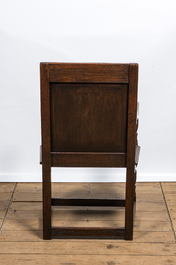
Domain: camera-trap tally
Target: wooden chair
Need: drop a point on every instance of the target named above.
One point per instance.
(88, 115)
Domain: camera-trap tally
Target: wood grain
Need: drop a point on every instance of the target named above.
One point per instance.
(88, 73)
(7, 187)
(141, 206)
(46, 149)
(36, 224)
(5, 196)
(37, 235)
(88, 215)
(89, 247)
(72, 187)
(87, 159)
(105, 259)
(2, 214)
(88, 117)
(131, 147)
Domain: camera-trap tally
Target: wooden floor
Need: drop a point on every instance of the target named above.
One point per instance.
(21, 225)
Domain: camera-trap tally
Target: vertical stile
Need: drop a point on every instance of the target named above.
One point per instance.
(46, 150)
(131, 145)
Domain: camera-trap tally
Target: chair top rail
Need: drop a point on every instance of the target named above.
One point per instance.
(88, 73)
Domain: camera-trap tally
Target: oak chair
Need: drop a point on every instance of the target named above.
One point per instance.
(89, 119)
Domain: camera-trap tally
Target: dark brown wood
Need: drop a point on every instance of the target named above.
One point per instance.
(88, 202)
(88, 117)
(46, 150)
(88, 73)
(88, 114)
(134, 208)
(135, 176)
(87, 159)
(83, 159)
(88, 232)
(131, 145)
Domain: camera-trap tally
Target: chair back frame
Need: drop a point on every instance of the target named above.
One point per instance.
(88, 119)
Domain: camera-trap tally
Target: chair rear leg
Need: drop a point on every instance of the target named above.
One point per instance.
(46, 202)
(129, 207)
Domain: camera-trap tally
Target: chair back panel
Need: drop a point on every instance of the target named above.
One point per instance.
(88, 117)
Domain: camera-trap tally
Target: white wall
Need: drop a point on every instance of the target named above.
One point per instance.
(87, 31)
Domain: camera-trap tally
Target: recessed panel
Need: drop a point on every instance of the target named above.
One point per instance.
(88, 117)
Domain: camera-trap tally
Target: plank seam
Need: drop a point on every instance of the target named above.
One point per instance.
(58, 254)
(8, 207)
(168, 211)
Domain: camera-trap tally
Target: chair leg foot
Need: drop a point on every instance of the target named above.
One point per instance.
(46, 235)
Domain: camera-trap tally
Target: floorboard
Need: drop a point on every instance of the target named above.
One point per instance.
(31, 259)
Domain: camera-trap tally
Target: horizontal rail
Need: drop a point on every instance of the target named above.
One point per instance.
(88, 73)
(87, 159)
(87, 232)
(88, 202)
